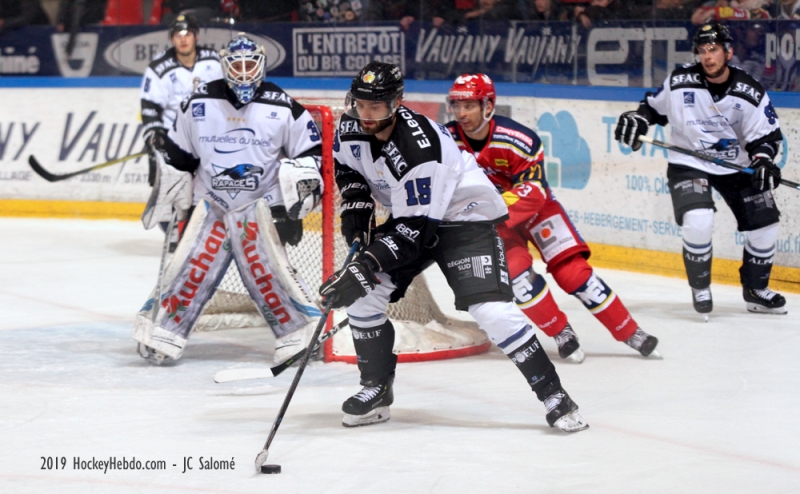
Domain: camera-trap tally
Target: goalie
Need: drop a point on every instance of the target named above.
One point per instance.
(250, 204)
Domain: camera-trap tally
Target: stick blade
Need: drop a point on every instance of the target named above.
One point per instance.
(229, 375)
(41, 171)
(261, 458)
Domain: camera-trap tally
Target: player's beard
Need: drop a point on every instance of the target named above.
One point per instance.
(381, 125)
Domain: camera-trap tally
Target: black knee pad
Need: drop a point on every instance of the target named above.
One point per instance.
(376, 361)
(537, 368)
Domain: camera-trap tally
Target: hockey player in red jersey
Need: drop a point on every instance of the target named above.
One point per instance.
(512, 155)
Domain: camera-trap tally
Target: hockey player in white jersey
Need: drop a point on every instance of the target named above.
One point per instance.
(719, 110)
(444, 210)
(168, 80)
(232, 134)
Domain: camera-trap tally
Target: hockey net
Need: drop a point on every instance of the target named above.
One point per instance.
(422, 331)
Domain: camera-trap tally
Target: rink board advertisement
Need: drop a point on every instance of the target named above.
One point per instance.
(620, 53)
(614, 196)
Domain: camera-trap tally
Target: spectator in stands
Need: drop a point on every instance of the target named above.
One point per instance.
(202, 10)
(406, 11)
(667, 10)
(545, 10)
(74, 14)
(263, 11)
(720, 10)
(18, 13)
(493, 10)
(602, 10)
(332, 10)
(789, 9)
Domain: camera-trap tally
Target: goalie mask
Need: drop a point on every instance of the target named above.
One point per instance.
(243, 67)
(375, 95)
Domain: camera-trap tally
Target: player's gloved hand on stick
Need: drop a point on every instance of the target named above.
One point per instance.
(289, 231)
(766, 174)
(350, 284)
(156, 139)
(358, 220)
(630, 126)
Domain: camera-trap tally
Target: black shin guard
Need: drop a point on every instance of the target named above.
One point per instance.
(698, 268)
(376, 361)
(537, 368)
(755, 270)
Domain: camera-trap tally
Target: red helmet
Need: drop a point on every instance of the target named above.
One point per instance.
(468, 86)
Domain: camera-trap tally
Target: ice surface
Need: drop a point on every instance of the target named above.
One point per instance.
(715, 415)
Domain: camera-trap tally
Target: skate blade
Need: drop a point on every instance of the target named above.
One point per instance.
(571, 422)
(376, 416)
(576, 357)
(705, 317)
(760, 309)
(655, 356)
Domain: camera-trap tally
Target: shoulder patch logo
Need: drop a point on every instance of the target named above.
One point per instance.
(688, 98)
(198, 109)
(356, 149)
(147, 84)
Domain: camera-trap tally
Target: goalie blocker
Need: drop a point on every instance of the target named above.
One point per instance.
(201, 259)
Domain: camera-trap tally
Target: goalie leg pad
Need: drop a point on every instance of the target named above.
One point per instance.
(196, 279)
(279, 291)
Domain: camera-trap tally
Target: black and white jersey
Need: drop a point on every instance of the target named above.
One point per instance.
(733, 126)
(167, 82)
(233, 148)
(420, 175)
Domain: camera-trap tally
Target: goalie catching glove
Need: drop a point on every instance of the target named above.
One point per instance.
(301, 185)
(630, 126)
(354, 281)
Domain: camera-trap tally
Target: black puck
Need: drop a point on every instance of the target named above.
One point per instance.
(270, 469)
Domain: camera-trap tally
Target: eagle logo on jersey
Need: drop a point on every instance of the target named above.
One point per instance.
(724, 148)
(356, 149)
(236, 179)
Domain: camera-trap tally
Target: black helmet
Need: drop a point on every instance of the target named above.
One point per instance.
(713, 32)
(186, 22)
(378, 81)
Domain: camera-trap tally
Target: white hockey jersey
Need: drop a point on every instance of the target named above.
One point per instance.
(238, 147)
(420, 175)
(167, 82)
(737, 126)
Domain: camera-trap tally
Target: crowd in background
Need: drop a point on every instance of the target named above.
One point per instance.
(67, 14)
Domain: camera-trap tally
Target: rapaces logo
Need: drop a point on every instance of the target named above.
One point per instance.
(133, 54)
(724, 148)
(79, 63)
(236, 179)
(568, 160)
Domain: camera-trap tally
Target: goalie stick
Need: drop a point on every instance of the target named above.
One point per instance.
(230, 375)
(261, 457)
(709, 158)
(52, 177)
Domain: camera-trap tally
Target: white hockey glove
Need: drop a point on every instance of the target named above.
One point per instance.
(301, 185)
(172, 189)
(630, 126)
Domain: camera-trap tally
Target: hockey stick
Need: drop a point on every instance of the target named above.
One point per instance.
(51, 177)
(230, 375)
(173, 220)
(261, 457)
(709, 158)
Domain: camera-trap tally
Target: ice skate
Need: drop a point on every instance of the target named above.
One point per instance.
(562, 413)
(643, 343)
(150, 354)
(369, 406)
(568, 346)
(154, 343)
(764, 301)
(702, 301)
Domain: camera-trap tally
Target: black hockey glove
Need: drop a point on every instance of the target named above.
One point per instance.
(290, 231)
(350, 284)
(154, 141)
(358, 221)
(766, 174)
(630, 126)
